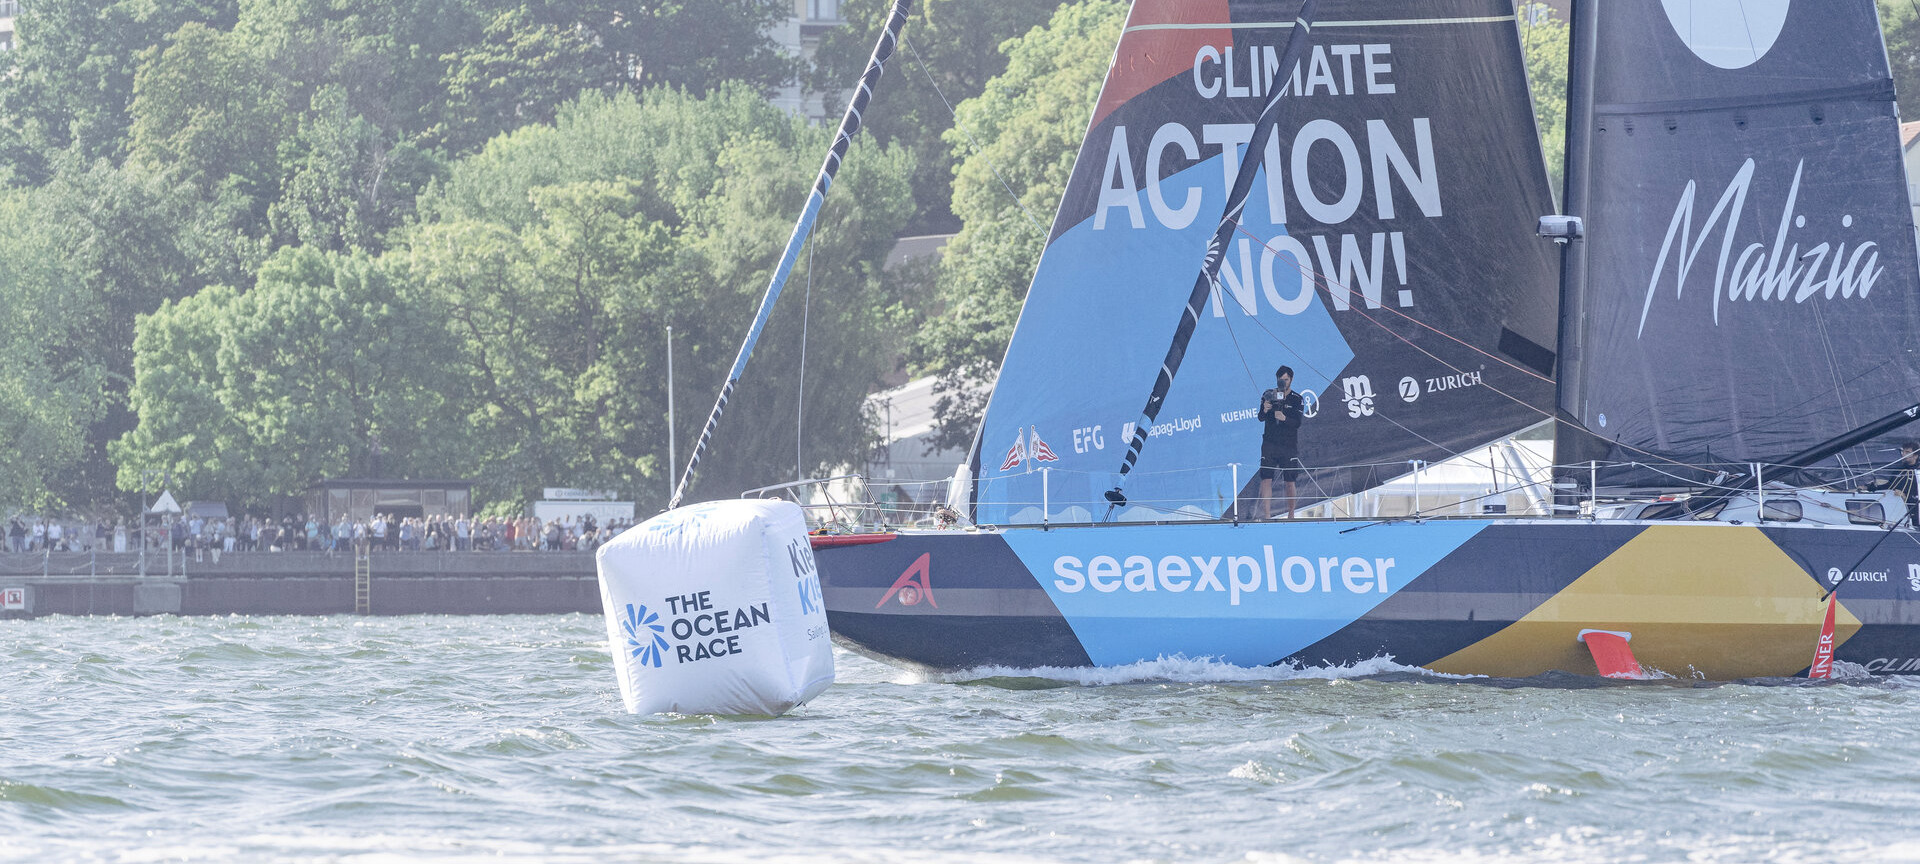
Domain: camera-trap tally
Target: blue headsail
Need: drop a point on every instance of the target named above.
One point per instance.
(1385, 252)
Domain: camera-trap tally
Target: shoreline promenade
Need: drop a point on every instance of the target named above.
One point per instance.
(296, 583)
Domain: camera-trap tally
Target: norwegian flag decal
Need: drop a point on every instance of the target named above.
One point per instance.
(1014, 454)
(1041, 452)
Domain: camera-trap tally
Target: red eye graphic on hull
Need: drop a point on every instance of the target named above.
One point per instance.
(914, 585)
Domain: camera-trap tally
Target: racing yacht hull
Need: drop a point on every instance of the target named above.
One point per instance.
(1505, 598)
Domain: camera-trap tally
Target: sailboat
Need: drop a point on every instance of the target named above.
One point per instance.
(1720, 323)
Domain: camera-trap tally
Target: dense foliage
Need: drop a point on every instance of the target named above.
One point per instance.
(259, 243)
(951, 49)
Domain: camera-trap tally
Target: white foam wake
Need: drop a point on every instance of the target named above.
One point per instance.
(1177, 669)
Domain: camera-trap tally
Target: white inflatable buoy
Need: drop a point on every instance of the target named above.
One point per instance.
(715, 609)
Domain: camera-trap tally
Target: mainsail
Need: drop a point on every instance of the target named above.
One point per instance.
(1386, 253)
(1748, 286)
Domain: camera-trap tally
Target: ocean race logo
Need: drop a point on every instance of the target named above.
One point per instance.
(1782, 272)
(1232, 576)
(645, 639)
(700, 630)
(1373, 157)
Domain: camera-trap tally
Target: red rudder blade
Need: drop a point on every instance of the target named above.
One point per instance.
(1610, 653)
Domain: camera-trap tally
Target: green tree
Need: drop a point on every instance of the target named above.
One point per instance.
(1028, 123)
(520, 72)
(1900, 27)
(346, 182)
(530, 58)
(696, 46)
(50, 394)
(953, 48)
(207, 110)
(545, 316)
(561, 282)
(123, 241)
(74, 72)
(384, 56)
(324, 369)
(1543, 40)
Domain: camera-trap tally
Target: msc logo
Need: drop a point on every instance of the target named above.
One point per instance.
(913, 585)
(644, 637)
(1357, 392)
(1913, 576)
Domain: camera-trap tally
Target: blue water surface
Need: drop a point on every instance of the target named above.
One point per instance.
(502, 739)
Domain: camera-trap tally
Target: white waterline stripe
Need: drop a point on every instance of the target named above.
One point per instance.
(1288, 25)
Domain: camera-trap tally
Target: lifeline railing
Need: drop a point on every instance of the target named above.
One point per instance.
(1513, 486)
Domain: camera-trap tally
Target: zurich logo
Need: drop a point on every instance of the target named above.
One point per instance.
(643, 636)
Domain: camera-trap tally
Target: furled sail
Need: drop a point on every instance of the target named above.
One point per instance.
(1386, 253)
(1748, 286)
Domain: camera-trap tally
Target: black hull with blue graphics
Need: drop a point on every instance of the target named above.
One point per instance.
(1504, 598)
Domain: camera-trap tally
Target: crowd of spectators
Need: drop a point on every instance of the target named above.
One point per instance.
(310, 533)
(32, 534)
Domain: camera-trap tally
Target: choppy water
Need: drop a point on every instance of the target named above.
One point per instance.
(502, 739)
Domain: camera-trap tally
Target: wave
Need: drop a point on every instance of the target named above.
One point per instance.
(1178, 669)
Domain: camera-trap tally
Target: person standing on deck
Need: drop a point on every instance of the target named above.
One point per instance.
(1281, 410)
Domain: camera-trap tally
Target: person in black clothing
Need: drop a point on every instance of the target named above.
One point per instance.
(1281, 409)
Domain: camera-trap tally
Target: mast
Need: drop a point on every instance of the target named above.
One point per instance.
(1263, 128)
(849, 125)
(1568, 435)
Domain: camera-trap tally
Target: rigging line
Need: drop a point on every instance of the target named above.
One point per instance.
(1318, 280)
(843, 139)
(1218, 298)
(1251, 381)
(800, 389)
(1451, 454)
(1784, 417)
(977, 149)
(1863, 559)
(1833, 365)
(1189, 320)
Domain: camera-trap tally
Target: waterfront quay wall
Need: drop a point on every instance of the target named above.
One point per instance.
(298, 583)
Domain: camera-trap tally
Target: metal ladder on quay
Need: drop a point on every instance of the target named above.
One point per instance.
(363, 579)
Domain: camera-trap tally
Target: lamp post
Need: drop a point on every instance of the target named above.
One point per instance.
(147, 475)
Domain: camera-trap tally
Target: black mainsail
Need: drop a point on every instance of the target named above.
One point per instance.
(1747, 285)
